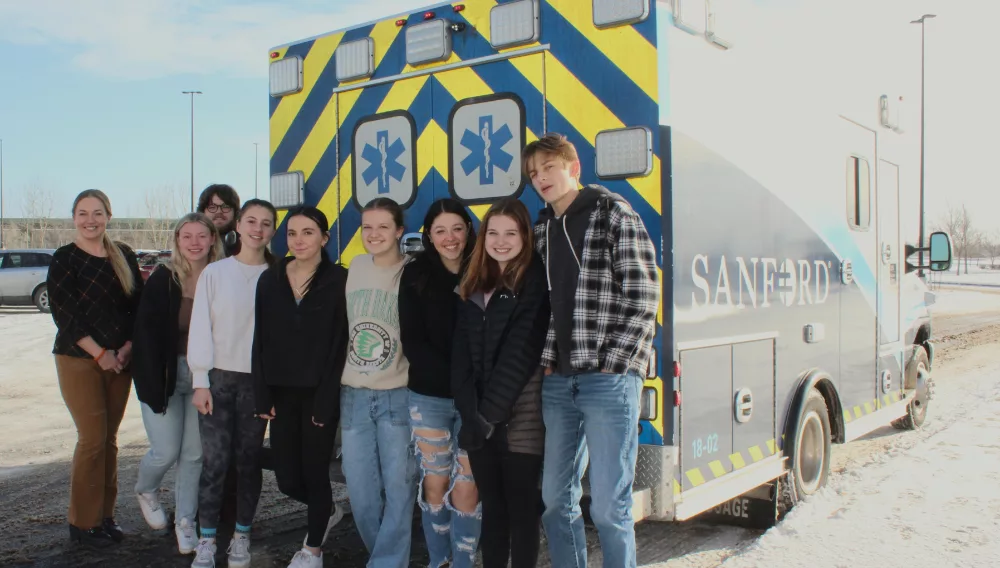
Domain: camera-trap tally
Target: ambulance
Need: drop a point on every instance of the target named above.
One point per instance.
(768, 148)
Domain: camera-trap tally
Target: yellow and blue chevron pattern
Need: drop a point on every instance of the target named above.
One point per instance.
(577, 80)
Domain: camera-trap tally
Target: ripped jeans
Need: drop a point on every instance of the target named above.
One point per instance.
(451, 535)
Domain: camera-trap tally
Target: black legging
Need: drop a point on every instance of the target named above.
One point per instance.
(512, 505)
(302, 453)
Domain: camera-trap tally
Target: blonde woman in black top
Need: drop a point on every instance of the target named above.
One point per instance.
(94, 287)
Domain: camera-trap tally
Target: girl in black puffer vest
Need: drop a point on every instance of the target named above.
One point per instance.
(496, 382)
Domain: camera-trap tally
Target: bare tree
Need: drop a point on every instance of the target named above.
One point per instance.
(37, 205)
(958, 223)
(990, 243)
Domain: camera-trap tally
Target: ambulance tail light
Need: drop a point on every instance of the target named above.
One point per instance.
(514, 23)
(624, 153)
(287, 189)
(677, 398)
(285, 76)
(458, 8)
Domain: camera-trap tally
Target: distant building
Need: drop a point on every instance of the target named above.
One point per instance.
(138, 233)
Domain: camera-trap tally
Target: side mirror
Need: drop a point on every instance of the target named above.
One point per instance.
(940, 249)
(411, 243)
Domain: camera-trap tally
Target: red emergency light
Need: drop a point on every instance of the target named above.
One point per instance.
(677, 398)
(400, 22)
(459, 8)
(275, 55)
(677, 369)
(428, 15)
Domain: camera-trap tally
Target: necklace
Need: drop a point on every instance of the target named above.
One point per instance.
(298, 287)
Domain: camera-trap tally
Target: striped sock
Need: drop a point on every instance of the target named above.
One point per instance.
(245, 529)
(207, 533)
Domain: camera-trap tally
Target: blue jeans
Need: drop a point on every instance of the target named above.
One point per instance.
(451, 535)
(590, 415)
(381, 471)
(174, 438)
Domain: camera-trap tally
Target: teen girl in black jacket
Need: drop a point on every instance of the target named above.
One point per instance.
(299, 350)
(496, 381)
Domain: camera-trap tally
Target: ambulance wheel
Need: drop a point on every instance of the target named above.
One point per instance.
(919, 379)
(811, 468)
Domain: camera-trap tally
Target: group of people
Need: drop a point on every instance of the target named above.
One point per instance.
(477, 378)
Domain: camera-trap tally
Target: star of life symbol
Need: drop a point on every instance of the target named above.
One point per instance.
(383, 161)
(486, 150)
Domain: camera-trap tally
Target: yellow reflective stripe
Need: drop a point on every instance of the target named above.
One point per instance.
(695, 477)
(717, 468)
(478, 15)
(290, 105)
(868, 408)
(857, 412)
(623, 45)
(320, 137)
(328, 202)
(737, 460)
(771, 447)
(402, 94)
(590, 116)
(756, 454)
(383, 34)
(479, 210)
(432, 152)
(463, 83)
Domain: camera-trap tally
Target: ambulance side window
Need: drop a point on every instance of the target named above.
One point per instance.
(858, 193)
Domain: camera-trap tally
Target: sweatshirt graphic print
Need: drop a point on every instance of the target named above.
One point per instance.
(375, 357)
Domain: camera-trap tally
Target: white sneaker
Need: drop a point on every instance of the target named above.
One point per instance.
(335, 517)
(239, 551)
(305, 559)
(205, 554)
(149, 503)
(187, 538)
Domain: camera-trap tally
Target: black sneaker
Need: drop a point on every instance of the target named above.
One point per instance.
(96, 537)
(112, 528)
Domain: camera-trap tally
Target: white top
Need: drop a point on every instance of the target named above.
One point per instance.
(222, 319)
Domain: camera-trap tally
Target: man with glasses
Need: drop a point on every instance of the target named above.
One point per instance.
(220, 203)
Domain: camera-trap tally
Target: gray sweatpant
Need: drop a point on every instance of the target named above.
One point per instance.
(232, 431)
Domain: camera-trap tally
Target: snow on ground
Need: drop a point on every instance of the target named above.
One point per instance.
(951, 301)
(927, 498)
(37, 428)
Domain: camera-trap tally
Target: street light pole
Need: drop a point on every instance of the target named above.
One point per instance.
(255, 154)
(192, 93)
(921, 22)
(1, 194)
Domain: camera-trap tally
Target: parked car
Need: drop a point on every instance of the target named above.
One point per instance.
(150, 260)
(22, 277)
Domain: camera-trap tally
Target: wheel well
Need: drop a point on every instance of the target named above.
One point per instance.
(923, 334)
(815, 378)
(833, 407)
(37, 288)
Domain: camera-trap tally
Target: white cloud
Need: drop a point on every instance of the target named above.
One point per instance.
(135, 40)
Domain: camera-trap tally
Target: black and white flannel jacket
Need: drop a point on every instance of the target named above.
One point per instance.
(617, 295)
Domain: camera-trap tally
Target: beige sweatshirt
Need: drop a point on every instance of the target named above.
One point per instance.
(375, 357)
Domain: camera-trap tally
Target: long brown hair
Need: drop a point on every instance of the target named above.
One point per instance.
(115, 255)
(180, 266)
(484, 272)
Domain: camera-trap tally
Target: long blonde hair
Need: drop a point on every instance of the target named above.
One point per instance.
(180, 266)
(115, 254)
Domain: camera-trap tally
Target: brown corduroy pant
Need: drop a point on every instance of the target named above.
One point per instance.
(96, 399)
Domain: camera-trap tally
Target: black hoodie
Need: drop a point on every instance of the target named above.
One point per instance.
(565, 250)
(304, 344)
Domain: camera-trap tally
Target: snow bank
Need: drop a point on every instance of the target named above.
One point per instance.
(936, 503)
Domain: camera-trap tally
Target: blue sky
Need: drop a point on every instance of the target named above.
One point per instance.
(90, 94)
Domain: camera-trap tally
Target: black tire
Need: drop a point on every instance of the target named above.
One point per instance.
(811, 467)
(41, 299)
(916, 411)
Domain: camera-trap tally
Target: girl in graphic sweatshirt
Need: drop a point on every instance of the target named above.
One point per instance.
(379, 461)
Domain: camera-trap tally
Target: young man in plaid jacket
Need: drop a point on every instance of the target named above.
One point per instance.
(604, 291)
